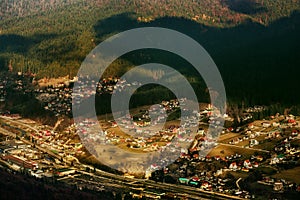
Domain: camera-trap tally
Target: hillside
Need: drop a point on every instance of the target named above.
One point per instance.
(50, 36)
(255, 43)
(212, 11)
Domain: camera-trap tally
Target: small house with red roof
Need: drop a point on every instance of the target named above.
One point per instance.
(247, 164)
(233, 166)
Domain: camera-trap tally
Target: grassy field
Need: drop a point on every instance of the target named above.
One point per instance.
(228, 137)
(238, 174)
(230, 150)
(268, 145)
(290, 175)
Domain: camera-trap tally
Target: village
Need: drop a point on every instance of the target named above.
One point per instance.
(265, 147)
(258, 155)
(56, 97)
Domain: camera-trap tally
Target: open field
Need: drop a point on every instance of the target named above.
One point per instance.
(290, 175)
(231, 150)
(228, 137)
(268, 145)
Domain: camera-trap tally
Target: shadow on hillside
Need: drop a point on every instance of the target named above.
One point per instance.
(256, 62)
(245, 6)
(14, 43)
(17, 44)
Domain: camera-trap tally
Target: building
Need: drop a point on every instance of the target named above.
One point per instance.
(233, 166)
(247, 164)
(22, 162)
(278, 186)
(65, 171)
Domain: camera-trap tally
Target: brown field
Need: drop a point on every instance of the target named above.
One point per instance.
(243, 143)
(289, 175)
(117, 131)
(228, 137)
(258, 122)
(230, 150)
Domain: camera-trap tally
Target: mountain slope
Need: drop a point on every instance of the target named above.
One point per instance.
(248, 39)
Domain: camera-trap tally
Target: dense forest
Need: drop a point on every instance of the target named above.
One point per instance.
(254, 43)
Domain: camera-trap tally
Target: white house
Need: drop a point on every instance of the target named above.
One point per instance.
(233, 166)
(247, 164)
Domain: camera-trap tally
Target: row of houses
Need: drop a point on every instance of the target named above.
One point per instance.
(58, 98)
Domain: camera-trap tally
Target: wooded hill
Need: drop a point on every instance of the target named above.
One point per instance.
(254, 43)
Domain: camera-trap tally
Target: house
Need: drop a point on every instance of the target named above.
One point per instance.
(154, 167)
(291, 121)
(184, 180)
(247, 164)
(196, 156)
(208, 159)
(206, 185)
(266, 124)
(200, 132)
(233, 166)
(253, 142)
(274, 161)
(195, 178)
(250, 126)
(217, 158)
(21, 162)
(230, 129)
(114, 124)
(235, 141)
(281, 156)
(278, 186)
(259, 158)
(252, 136)
(295, 133)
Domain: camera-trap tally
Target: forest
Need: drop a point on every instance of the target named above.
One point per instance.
(254, 43)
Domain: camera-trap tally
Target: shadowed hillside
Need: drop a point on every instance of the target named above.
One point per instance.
(258, 62)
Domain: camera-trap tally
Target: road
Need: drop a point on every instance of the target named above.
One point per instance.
(135, 184)
(19, 123)
(237, 183)
(6, 132)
